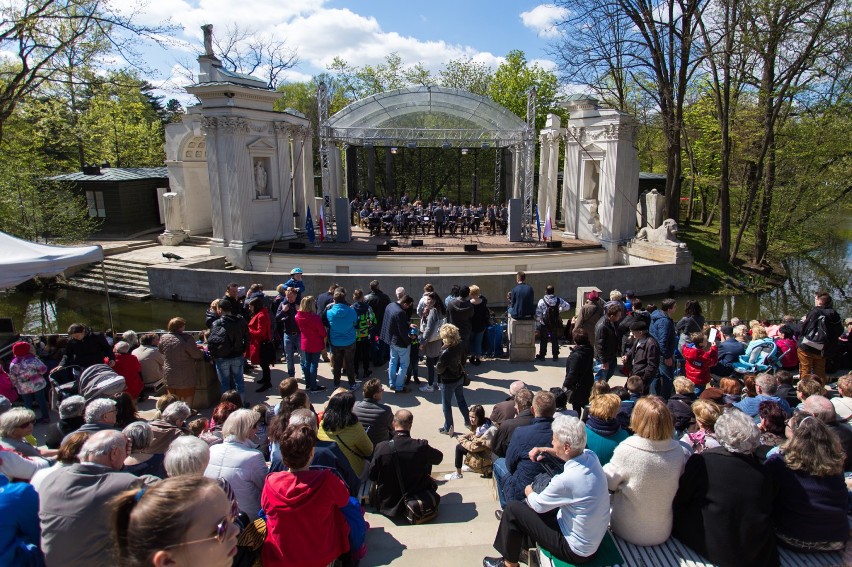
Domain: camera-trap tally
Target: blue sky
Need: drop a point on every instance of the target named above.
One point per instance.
(360, 31)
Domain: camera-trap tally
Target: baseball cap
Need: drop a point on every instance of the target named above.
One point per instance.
(295, 271)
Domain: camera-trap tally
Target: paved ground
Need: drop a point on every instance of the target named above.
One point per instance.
(464, 529)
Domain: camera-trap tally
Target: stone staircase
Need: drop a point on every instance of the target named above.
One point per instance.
(125, 279)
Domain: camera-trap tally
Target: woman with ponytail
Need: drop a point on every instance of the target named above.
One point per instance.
(179, 522)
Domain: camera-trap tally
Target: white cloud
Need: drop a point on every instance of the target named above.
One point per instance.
(543, 19)
(546, 64)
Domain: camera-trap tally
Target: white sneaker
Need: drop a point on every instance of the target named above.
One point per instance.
(452, 476)
(427, 388)
(466, 468)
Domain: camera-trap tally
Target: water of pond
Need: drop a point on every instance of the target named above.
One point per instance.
(828, 267)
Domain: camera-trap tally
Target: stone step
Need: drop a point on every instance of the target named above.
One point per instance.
(126, 294)
(113, 283)
(115, 272)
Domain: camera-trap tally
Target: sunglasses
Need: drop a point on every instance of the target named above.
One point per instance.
(27, 424)
(221, 532)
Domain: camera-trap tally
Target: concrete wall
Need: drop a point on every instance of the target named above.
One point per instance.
(207, 280)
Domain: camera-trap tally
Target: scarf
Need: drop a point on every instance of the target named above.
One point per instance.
(604, 428)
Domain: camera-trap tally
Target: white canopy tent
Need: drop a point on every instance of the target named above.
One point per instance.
(21, 260)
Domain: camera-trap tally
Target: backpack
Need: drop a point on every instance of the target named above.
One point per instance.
(551, 318)
(219, 343)
(816, 335)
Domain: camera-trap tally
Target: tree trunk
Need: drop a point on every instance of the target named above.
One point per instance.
(751, 188)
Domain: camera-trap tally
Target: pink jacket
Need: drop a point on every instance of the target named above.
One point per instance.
(312, 331)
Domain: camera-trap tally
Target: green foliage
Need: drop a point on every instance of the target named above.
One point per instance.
(515, 77)
(467, 75)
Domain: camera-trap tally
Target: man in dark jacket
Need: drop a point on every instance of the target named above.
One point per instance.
(506, 409)
(404, 458)
(85, 348)
(645, 352)
(523, 405)
(229, 365)
(813, 353)
(663, 330)
(378, 302)
(395, 334)
(285, 318)
(522, 299)
(376, 417)
(460, 314)
(607, 342)
(730, 351)
(519, 469)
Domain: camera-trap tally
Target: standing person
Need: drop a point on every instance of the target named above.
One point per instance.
(478, 323)
(260, 333)
(395, 334)
(820, 330)
(227, 343)
(296, 283)
(579, 370)
(151, 360)
(285, 316)
(85, 348)
(180, 353)
(460, 314)
(607, 343)
(521, 299)
(128, 366)
(313, 334)
(663, 330)
(342, 320)
(450, 368)
(549, 321)
(590, 313)
(178, 522)
(691, 322)
(700, 357)
(378, 302)
(433, 318)
(363, 331)
(644, 353)
(27, 374)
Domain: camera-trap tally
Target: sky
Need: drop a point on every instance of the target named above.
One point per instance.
(359, 31)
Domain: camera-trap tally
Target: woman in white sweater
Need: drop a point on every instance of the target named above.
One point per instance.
(643, 475)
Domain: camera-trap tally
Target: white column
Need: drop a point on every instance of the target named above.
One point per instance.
(571, 185)
(517, 156)
(216, 195)
(307, 167)
(285, 177)
(543, 163)
(553, 174)
(239, 180)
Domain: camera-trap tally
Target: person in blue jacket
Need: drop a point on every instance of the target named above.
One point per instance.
(663, 330)
(20, 534)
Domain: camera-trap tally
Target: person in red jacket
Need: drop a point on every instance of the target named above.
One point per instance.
(260, 332)
(305, 526)
(700, 357)
(128, 365)
(313, 333)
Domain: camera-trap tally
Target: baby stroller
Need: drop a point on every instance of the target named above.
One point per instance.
(63, 384)
(100, 381)
(761, 356)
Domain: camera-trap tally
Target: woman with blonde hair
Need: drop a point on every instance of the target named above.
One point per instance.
(180, 352)
(451, 373)
(643, 475)
(313, 334)
(603, 433)
(809, 512)
(706, 413)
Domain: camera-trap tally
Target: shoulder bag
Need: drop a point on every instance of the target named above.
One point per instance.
(420, 507)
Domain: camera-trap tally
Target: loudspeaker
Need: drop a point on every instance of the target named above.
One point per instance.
(417, 243)
(342, 215)
(383, 248)
(296, 245)
(470, 248)
(554, 244)
(393, 242)
(516, 217)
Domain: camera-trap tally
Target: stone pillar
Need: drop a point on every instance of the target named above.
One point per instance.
(655, 208)
(553, 174)
(285, 179)
(239, 180)
(521, 340)
(543, 174)
(299, 203)
(571, 186)
(517, 156)
(173, 235)
(209, 126)
(307, 167)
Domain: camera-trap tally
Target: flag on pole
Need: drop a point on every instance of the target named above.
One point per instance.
(538, 222)
(309, 227)
(548, 226)
(322, 224)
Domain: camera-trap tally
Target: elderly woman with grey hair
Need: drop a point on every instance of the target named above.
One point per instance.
(188, 456)
(237, 461)
(170, 426)
(569, 517)
(139, 461)
(723, 506)
(15, 426)
(100, 414)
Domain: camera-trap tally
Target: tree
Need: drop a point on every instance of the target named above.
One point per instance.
(514, 78)
(249, 52)
(36, 35)
(467, 75)
(653, 42)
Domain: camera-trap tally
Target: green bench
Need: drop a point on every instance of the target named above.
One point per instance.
(607, 555)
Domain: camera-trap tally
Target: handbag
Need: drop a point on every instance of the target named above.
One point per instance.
(267, 352)
(551, 468)
(464, 375)
(420, 507)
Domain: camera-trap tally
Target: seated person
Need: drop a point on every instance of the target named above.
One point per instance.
(765, 387)
(578, 496)
(414, 459)
(603, 434)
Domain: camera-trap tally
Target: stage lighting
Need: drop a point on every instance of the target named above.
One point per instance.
(464, 151)
(393, 150)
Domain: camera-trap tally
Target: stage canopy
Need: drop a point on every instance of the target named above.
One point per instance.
(21, 260)
(426, 116)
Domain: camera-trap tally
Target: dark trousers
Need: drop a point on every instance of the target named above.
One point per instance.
(460, 453)
(546, 336)
(343, 357)
(362, 355)
(522, 528)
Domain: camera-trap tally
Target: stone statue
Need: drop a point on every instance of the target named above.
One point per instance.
(208, 39)
(655, 204)
(642, 210)
(260, 178)
(665, 235)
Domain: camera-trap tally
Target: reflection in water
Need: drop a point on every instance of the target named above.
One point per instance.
(826, 268)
